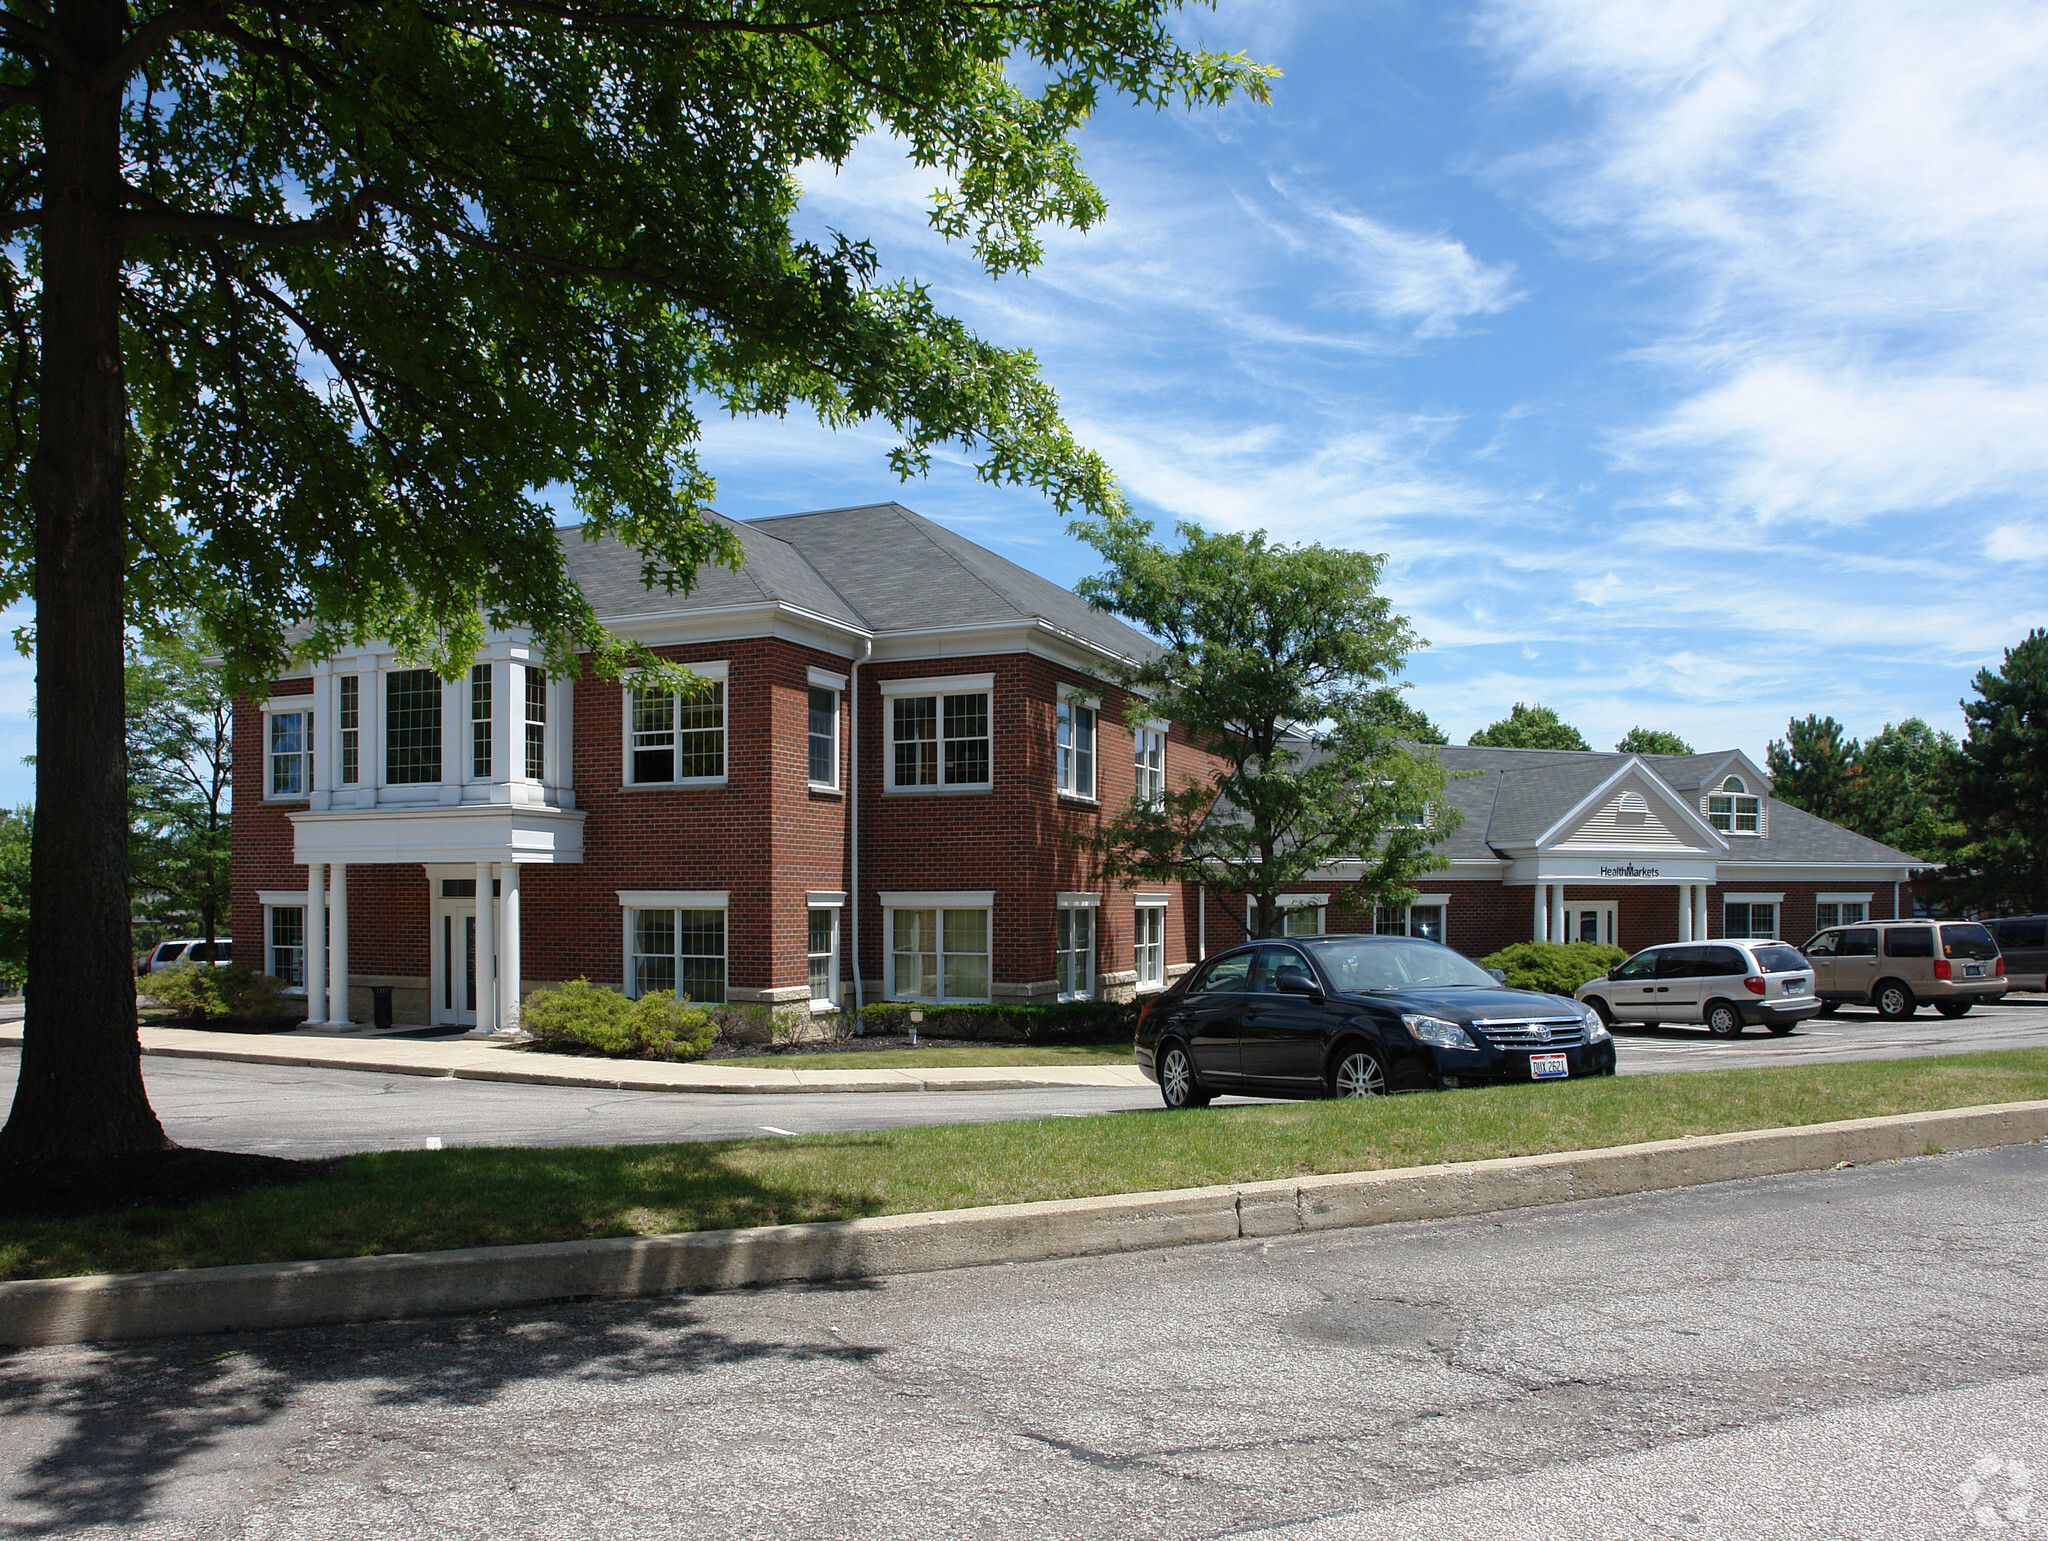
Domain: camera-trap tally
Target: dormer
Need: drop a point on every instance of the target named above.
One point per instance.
(1735, 806)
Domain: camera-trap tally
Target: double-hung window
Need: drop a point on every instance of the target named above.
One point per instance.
(1424, 919)
(824, 737)
(677, 949)
(348, 718)
(537, 724)
(285, 947)
(1149, 761)
(480, 722)
(1148, 946)
(1840, 912)
(1074, 951)
(1735, 808)
(938, 954)
(822, 952)
(291, 753)
(1300, 914)
(1075, 744)
(412, 727)
(1749, 920)
(676, 737)
(939, 739)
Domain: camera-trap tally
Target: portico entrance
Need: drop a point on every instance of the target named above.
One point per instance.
(1589, 922)
(455, 953)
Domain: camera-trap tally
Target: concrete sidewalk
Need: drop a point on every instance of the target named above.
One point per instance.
(479, 1059)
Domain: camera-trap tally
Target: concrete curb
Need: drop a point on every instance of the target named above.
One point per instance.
(270, 1295)
(472, 1060)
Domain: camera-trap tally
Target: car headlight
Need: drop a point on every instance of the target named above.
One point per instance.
(1596, 1030)
(1435, 1031)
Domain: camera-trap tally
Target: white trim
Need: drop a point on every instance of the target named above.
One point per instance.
(825, 679)
(1078, 901)
(949, 899)
(1727, 898)
(822, 900)
(1074, 696)
(674, 898)
(718, 673)
(302, 703)
(281, 898)
(1158, 725)
(1862, 898)
(1149, 901)
(939, 685)
(1666, 793)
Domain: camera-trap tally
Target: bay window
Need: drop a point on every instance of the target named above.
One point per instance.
(480, 722)
(412, 727)
(348, 718)
(537, 724)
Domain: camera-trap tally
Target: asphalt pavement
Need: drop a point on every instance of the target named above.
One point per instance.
(311, 1112)
(1854, 1353)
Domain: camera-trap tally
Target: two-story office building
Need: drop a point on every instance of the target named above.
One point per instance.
(902, 735)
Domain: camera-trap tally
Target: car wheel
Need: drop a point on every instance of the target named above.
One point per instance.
(1893, 1000)
(1781, 1028)
(1954, 1008)
(1358, 1073)
(1831, 1008)
(1178, 1087)
(1724, 1021)
(1606, 1012)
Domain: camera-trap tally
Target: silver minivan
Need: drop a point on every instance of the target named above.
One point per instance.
(1726, 984)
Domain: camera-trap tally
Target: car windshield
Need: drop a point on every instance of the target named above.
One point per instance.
(1779, 960)
(1971, 941)
(1358, 966)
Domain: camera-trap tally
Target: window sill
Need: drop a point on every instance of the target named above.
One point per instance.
(823, 1008)
(1148, 989)
(695, 784)
(980, 787)
(1071, 1000)
(1082, 798)
(823, 789)
(287, 797)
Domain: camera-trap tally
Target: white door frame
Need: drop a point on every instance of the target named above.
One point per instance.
(1605, 908)
(456, 918)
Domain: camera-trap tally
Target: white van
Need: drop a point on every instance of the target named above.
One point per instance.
(1726, 984)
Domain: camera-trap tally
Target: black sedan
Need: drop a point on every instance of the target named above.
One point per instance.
(1356, 1016)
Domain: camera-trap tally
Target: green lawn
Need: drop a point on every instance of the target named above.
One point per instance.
(1118, 1053)
(422, 1200)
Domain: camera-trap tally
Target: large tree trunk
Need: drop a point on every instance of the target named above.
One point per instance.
(81, 1095)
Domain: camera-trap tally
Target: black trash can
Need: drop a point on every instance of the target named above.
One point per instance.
(380, 1006)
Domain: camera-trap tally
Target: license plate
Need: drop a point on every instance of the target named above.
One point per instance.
(1792, 987)
(1973, 971)
(1548, 1067)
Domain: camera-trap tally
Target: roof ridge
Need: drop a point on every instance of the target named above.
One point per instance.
(924, 527)
(804, 557)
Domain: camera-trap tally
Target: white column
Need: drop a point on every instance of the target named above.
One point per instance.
(508, 949)
(1699, 912)
(1557, 913)
(1541, 931)
(337, 979)
(486, 952)
(316, 943)
(1685, 912)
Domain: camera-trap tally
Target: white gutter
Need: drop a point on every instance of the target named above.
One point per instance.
(853, 818)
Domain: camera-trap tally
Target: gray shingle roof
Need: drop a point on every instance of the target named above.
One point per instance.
(879, 566)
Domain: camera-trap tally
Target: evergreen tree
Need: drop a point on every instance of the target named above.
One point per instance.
(2001, 787)
(1902, 790)
(1810, 767)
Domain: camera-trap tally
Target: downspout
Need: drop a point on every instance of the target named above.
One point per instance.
(1201, 921)
(853, 770)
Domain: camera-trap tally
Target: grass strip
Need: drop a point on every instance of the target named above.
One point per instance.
(409, 1201)
(977, 1056)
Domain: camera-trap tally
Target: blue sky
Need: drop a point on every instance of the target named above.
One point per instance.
(1689, 362)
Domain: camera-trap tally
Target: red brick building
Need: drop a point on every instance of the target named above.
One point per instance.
(901, 736)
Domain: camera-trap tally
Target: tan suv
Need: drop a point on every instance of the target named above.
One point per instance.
(1894, 965)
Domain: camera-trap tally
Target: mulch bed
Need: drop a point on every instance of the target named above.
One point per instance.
(164, 1179)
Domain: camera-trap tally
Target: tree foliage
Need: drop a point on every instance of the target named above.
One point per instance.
(1897, 786)
(2001, 783)
(17, 833)
(391, 272)
(1406, 720)
(1530, 727)
(1281, 661)
(180, 776)
(1652, 741)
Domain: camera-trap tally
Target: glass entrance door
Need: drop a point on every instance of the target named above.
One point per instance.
(1589, 923)
(454, 982)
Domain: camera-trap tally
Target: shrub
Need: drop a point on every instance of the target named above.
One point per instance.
(581, 1015)
(202, 992)
(1556, 968)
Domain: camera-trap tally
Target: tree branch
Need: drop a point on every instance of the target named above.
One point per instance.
(39, 43)
(146, 40)
(160, 218)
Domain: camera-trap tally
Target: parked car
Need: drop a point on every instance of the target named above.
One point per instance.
(1895, 965)
(186, 949)
(1356, 1016)
(2023, 943)
(1728, 985)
